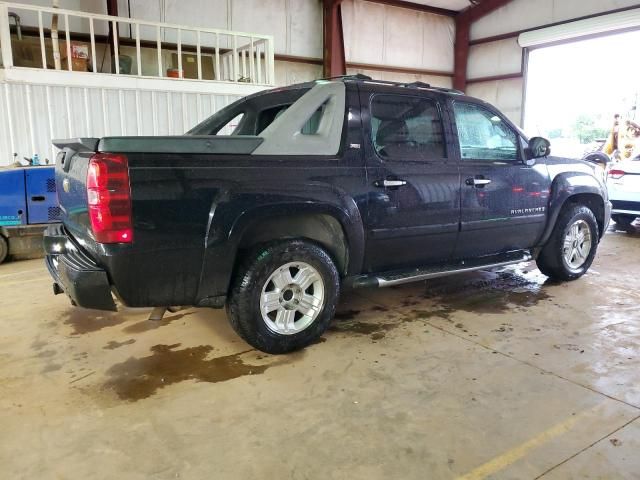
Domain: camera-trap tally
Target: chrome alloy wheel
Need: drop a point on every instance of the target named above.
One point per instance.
(292, 298)
(577, 244)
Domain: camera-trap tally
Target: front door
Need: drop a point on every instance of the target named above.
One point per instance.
(503, 200)
(413, 208)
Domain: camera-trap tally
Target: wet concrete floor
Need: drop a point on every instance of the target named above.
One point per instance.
(496, 374)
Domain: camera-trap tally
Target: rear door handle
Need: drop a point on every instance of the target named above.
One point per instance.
(390, 183)
(477, 182)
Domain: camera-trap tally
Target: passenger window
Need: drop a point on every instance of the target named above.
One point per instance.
(483, 135)
(406, 128)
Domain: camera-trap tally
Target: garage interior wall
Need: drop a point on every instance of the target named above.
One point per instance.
(496, 64)
(415, 46)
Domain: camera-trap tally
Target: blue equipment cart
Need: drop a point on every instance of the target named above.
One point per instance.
(28, 203)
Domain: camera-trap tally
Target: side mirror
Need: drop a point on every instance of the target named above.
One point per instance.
(538, 147)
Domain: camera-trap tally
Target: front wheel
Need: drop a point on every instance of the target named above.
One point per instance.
(284, 296)
(572, 246)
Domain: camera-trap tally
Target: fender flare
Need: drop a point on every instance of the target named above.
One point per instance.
(563, 188)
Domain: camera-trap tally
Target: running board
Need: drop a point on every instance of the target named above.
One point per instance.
(399, 277)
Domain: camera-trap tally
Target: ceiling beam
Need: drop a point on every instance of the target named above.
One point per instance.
(463, 31)
(417, 6)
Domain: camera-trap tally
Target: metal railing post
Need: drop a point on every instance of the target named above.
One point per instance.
(5, 37)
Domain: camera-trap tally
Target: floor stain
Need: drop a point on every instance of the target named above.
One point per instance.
(52, 367)
(146, 325)
(139, 378)
(46, 354)
(87, 321)
(346, 314)
(112, 345)
(376, 330)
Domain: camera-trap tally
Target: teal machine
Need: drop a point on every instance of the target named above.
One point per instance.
(28, 203)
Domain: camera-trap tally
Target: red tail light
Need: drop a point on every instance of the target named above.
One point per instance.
(616, 174)
(109, 198)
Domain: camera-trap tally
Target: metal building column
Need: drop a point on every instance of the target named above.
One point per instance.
(464, 20)
(333, 40)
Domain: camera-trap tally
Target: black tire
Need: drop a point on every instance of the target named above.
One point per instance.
(243, 306)
(551, 260)
(623, 221)
(4, 249)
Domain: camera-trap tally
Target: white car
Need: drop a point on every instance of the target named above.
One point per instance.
(623, 183)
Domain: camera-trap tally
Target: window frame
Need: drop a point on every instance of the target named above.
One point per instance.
(441, 112)
(489, 108)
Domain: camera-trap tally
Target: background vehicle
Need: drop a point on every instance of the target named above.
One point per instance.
(623, 183)
(349, 182)
(27, 204)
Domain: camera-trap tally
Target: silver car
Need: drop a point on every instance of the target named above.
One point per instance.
(623, 183)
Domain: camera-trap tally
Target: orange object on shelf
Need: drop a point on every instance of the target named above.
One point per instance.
(173, 73)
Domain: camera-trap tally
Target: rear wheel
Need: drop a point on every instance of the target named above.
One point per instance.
(623, 221)
(572, 246)
(4, 249)
(283, 296)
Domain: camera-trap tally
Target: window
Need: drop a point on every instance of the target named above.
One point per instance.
(483, 135)
(406, 128)
(232, 126)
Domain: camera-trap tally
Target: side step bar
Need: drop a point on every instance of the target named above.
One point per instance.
(399, 277)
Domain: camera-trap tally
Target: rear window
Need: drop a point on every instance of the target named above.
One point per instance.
(406, 128)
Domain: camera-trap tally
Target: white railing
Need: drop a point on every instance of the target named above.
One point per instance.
(251, 62)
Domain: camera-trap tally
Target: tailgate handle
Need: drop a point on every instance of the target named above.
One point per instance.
(38, 198)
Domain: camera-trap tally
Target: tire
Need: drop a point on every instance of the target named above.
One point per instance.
(623, 221)
(4, 249)
(311, 292)
(553, 261)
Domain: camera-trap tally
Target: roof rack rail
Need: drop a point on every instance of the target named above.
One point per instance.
(416, 85)
(357, 76)
(448, 90)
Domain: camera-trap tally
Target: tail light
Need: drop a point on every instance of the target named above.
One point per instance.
(109, 198)
(616, 174)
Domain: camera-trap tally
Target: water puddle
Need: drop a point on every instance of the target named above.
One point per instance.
(490, 292)
(112, 345)
(86, 321)
(139, 378)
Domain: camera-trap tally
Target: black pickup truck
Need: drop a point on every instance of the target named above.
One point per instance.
(346, 182)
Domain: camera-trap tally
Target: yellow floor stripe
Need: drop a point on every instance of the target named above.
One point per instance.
(515, 454)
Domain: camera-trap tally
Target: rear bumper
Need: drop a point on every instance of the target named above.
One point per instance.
(75, 273)
(626, 207)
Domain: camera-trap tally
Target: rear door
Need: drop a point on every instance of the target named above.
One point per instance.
(503, 200)
(413, 208)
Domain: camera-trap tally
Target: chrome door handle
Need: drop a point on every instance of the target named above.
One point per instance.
(477, 182)
(390, 183)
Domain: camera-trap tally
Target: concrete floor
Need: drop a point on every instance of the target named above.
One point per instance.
(488, 375)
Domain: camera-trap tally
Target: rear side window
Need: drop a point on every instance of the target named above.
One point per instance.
(406, 128)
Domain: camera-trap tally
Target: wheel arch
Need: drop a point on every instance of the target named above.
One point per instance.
(575, 189)
(337, 229)
(320, 228)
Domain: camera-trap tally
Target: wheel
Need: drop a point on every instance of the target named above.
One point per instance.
(4, 249)
(572, 246)
(623, 221)
(283, 296)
